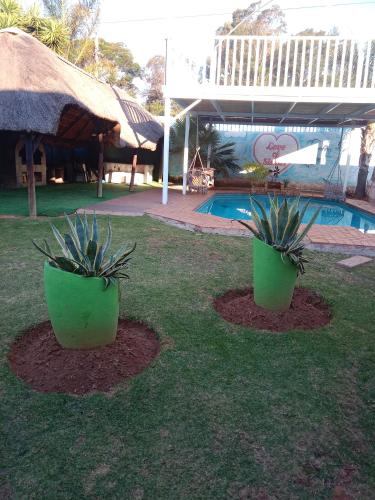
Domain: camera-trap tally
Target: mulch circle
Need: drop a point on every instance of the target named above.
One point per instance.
(41, 362)
(307, 311)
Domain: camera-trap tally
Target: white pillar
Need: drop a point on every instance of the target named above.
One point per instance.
(348, 161)
(186, 153)
(167, 122)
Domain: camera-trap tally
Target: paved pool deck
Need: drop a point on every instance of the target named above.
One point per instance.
(180, 211)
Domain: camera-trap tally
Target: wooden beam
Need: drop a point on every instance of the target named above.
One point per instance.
(37, 139)
(134, 165)
(100, 166)
(30, 175)
(72, 120)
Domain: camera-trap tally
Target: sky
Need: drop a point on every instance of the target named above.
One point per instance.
(147, 38)
(124, 21)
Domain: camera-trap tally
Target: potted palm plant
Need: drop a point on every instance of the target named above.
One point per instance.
(82, 284)
(277, 251)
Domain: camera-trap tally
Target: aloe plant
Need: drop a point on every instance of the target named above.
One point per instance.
(280, 227)
(83, 253)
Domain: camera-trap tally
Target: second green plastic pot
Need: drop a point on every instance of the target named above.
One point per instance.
(274, 279)
(83, 313)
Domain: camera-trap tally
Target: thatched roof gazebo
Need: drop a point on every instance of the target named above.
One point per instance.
(45, 97)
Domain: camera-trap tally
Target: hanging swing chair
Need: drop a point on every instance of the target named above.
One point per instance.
(333, 186)
(199, 177)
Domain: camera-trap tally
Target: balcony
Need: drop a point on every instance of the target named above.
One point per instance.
(326, 80)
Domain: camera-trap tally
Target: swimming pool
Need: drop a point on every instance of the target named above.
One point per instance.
(332, 213)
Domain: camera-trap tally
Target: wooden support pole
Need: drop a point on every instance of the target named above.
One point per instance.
(30, 175)
(132, 176)
(100, 166)
(167, 120)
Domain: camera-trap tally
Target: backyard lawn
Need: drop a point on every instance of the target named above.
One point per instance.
(57, 199)
(223, 411)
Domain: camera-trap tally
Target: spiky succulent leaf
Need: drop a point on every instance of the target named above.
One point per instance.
(86, 226)
(307, 228)
(65, 264)
(85, 256)
(260, 206)
(81, 232)
(95, 230)
(70, 244)
(108, 241)
(44, 251)
(99, 258)
(274, 219)
(60, 239)
(250, 228)
(73, 231)
(256, 219)
(267, 231)
(280, 228)
(92, 248)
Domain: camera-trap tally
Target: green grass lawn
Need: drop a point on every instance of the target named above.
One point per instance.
(57, 199)
(223, 412)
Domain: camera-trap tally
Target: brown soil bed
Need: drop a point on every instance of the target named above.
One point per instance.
(308, 311)
(41, 362)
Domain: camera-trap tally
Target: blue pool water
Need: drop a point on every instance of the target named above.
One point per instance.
(332, 213)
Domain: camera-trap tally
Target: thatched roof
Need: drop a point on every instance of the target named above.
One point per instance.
(43, 93)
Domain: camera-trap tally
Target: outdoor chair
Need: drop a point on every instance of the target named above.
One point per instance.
(199, 178)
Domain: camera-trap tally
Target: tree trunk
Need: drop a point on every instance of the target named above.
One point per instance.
(373, 176)
(132, 175)
(360, 190)
(367, 144)
(371, 189)
(100, 167)
(30, 175)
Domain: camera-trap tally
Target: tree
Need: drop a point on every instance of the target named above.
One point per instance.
(115, 65)
(154, 77)
(249, 21)
(50, 31)
(81, 18)
(68, 29)
(366, 149)
(222, 153)
(255, 22)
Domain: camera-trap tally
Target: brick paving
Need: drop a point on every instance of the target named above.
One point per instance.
(180, 211)
(363, 205)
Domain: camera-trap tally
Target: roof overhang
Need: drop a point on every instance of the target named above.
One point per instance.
(283, 106)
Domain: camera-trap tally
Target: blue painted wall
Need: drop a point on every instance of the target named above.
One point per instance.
(304, 154)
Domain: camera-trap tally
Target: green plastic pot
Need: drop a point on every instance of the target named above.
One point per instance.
(83, 313)
(274, 279)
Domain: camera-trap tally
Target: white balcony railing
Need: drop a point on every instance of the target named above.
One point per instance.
(276, 62)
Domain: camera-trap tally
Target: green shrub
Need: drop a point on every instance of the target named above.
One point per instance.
(280, 228)
(256, 172)
(84, 255)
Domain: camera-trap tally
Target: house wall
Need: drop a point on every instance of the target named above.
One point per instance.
(13, 170)
(303, 154)
(39, 165)
(144, 157)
